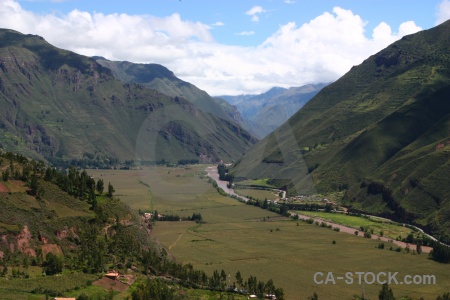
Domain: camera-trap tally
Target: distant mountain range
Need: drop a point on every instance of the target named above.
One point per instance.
(265, 112)
(60, 106)
(381, 134)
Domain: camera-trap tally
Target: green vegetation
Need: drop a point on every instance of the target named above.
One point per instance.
(80, 115)
(257, 194)
(375, 225)
(89, 233)
(257, 182)
(379, 134)
(238, 237)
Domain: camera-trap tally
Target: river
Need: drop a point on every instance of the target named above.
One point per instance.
(213, 173)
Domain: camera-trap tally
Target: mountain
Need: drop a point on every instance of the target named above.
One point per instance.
(57, 105)
(381, 133)
(163, 80)
(265, 112)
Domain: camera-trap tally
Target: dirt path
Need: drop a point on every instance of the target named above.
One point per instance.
(175, 241)
(351, 230)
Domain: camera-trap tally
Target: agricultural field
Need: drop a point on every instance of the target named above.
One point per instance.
(235, 236)
(257, 194)
(20, 288)
(259, 182)
(390, 229)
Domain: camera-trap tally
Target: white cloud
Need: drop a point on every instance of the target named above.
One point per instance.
(290, 1)
(443, 12)
(254, 13)
(318, 51)
(217, 24)
(245, 33)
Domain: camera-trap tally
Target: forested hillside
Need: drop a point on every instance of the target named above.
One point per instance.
(67, 223)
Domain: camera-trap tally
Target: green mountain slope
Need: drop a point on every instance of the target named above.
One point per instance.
(60, 105)
(163, 80)
(380, 132)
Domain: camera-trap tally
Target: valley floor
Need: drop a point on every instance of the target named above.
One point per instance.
(239, 237)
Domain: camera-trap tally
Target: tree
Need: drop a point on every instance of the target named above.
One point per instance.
(386, 293)
(53, 264)
(5, 175)
(279, 293)
(440, 253)
(100, 186)
(83, 296)
(239, 278)
(110, 190)
(35, 187)
(314, 297)
(419, 246)
(153, 289)
(444, 297)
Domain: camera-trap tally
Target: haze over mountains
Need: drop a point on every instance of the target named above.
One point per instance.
(265, 112)
(381, 133)
(57, 105)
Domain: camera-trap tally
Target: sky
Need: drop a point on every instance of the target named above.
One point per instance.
(228, 47)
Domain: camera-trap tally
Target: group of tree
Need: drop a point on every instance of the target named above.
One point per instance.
(196, 217)
(281, 209)
(224, 175)
(219, 281)
(88, 160)
(71, 180)
(440, 253)
(76, 183)
(183, 162)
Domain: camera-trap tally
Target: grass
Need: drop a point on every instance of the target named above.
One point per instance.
(257, 242)
(292, 254)
(257, 194)
(20, 287)
(258, 182)
(391, 230)
(92, 291)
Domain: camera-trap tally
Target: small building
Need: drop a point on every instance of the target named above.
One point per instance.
(112, 274)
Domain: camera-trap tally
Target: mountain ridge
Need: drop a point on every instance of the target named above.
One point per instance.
(63, 106)
(356, 134)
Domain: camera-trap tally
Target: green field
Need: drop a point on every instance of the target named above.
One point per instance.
(20, 288)
(259, 182)
(389, 229)
(257, 194)
(260, 243)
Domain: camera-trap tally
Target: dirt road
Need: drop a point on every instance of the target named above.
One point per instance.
(212, 172)
(351, 230)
